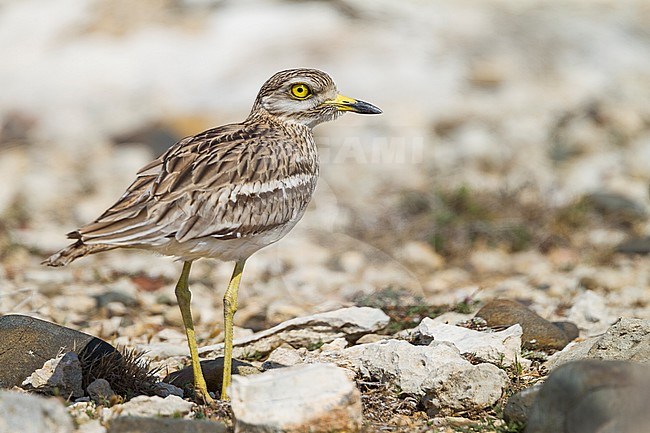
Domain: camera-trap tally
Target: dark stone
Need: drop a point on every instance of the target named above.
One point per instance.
(616, 205)
(132, 424)
(212, 372)
(115, 296)
(28, 342)
(519, 404)
(593, 396)
(570, 329)
(538, 333)
(635, 246)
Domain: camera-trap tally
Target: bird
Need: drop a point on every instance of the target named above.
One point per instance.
(224, 194)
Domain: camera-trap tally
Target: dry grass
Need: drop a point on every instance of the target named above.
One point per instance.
(126, 370)
(456, 221)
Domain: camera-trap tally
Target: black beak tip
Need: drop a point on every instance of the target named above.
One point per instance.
(363, 107)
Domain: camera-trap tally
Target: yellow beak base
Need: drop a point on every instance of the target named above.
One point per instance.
(345, 103)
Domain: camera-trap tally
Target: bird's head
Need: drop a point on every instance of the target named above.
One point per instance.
(307, 97)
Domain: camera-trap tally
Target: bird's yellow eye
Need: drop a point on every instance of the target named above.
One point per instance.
(300, 91)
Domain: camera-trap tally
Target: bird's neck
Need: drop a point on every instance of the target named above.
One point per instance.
(262, 116)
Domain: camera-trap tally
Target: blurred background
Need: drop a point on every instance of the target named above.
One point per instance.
(512, 158)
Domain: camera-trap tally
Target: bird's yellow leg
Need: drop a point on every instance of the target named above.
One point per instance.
(229, 309)
(184, 296)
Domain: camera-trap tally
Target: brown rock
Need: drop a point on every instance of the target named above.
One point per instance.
(538, 333)
(28, 342)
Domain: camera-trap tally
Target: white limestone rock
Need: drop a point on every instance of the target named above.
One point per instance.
(302, 331)
(500, 348)
(313, 397)
(26, 413)
(436, 373)
(153, 406)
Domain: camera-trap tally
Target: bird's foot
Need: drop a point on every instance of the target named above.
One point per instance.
(202, 396)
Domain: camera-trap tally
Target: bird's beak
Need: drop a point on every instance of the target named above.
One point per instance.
(345, 103)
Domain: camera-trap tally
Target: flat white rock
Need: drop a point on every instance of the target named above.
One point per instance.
(311, 397)
(436, 373)
(501, 348)
(154, 406)
(302, 331)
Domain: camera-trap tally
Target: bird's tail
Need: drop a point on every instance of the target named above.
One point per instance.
(73, 252)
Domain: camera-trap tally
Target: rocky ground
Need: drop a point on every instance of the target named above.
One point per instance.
(511, 163)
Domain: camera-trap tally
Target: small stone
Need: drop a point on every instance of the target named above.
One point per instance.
(335, 345)
(593, 396)
(163, 350)
(26, 413)
(137, 424)
(100, 391)
(635, 246)
(570, 329)
(173, 317)
(283, 356)
(163, 390)
(28, 341)
(441, 282)
(61, 376)
(500, 348)
(538, 333)
(519, 404)
(112, 296)
(116, 309)
(352, 261)
(616, 205)
(143, 405)
(212, 372)
(372, 338)
(314, 397)
(563, 257)
(171, 334)
(590, 312)
(490, 261)
(82, 410)
(420, 255)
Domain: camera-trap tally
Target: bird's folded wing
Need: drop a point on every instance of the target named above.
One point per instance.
(219, 184)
